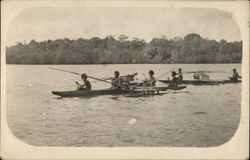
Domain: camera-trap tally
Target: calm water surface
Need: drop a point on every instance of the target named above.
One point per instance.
(198, 116)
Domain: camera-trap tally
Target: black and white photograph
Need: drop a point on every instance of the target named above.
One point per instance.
(122, 76)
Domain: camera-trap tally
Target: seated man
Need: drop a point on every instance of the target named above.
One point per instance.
(235, 76)
(180, 76)
(150, 81)
(116, 81)
(86, 84)
(174, 80)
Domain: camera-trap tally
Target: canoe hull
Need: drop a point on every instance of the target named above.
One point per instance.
(135, 91)
(82, 93)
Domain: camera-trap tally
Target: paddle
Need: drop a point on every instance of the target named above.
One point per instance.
(100, 79)
(165, 74)
(79, 74)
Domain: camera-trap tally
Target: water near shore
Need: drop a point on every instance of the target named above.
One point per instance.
(198, 116)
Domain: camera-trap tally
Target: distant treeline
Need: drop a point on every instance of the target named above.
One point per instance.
(190, 49)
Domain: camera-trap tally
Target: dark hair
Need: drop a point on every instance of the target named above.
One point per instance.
(173, 73)
(151, 72)
(179, 69)
(116, 73)
(84, 75)
(234, 69)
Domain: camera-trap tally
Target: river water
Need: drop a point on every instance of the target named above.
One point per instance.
(198, 116)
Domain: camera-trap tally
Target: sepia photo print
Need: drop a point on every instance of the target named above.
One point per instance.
(124, 74)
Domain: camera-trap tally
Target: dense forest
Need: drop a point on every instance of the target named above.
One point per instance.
(190, 49)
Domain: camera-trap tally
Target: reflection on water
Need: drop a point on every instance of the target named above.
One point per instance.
(196, 116)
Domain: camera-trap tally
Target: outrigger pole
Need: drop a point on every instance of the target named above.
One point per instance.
(100, 79)
(165, 73)
(65, 71)
(79, 74)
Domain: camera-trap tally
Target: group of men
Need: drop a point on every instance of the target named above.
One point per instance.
(176, 77)
(118, 82)
(124, 82)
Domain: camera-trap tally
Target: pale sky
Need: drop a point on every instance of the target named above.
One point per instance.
(45, 23)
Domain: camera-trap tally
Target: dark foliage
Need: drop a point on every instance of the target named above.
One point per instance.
(192, 49)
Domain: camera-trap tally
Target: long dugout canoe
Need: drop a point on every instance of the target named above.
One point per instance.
(85, 93)
(140, 90)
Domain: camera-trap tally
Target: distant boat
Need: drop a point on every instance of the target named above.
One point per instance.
(201, 78)
(202, 82)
